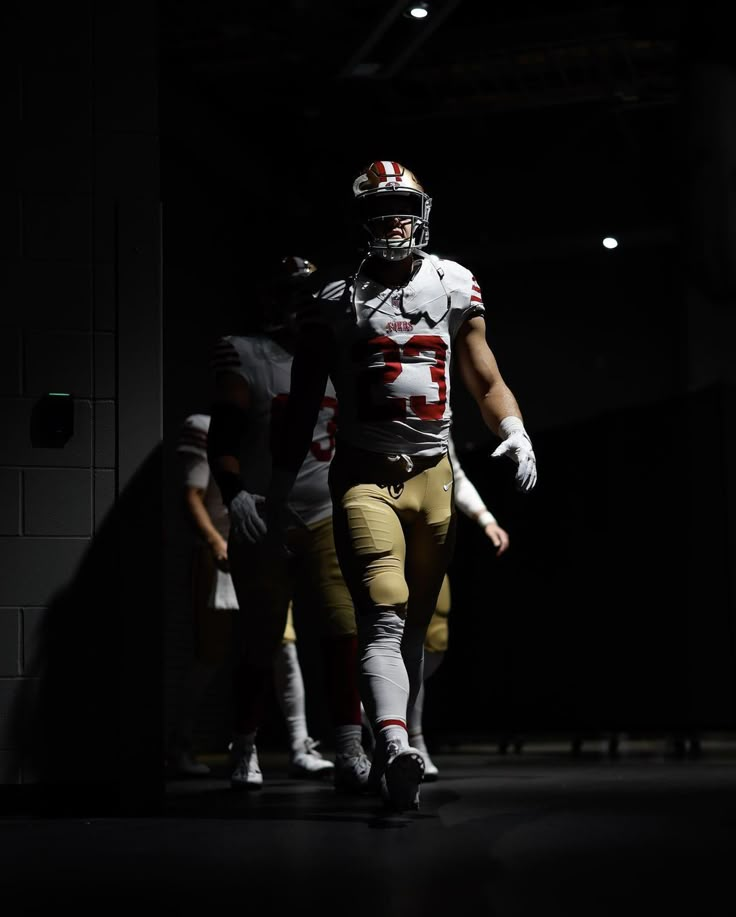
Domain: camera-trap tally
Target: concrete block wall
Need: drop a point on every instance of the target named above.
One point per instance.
(78, 180)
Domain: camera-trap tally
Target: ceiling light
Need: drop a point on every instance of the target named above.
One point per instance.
(417, 11)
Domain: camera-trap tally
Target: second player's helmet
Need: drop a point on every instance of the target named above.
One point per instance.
(385, 189)
(283, 293)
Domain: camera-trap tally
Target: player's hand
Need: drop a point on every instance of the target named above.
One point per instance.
(219, 553)
(246, 519)
(499, 537)
(518, 446)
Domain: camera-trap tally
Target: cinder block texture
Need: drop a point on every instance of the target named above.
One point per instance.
(126, 98)
(129, 40)
(10, 481)
(9, 642)
(41, 567)
(141, 176)
(57, 226)
(104, 435)
(9, 767)
(57, 161)
(105, 222)
(58, 362)
(104, 495)
(104, 369)
(10, 356)
(13, 694)
(57, 99)
(15, 444)
(19, 698)
(46, 295)
(104, 273)
(32, 623)
(57, 501)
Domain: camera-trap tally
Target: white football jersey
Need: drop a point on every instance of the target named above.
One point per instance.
(192, 449)
(266, 367)
(392, 361)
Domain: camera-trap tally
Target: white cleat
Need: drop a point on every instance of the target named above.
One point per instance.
(309, 763)
(431, 773)
(352, 770)
(402, 776)
(246, 774)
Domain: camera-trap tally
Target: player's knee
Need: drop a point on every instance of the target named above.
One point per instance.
(389, 590)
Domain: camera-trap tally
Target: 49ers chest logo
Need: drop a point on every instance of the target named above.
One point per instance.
(399, 327)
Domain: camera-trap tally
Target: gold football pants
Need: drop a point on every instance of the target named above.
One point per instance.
(394, 524)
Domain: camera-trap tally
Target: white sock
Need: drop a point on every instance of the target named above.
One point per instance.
(289, 685)
(346, 738)
(395, 733)
(432, 662)
(384, 681)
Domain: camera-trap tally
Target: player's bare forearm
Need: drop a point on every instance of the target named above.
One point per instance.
(481, 375)
(198, 515)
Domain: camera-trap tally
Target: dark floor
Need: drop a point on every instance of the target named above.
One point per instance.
(540, 832)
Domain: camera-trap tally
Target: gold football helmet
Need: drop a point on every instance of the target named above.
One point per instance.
(385, 191)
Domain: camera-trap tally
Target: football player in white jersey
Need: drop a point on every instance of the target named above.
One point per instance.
(213, 604)
(385, 336)
(469, 502)
(252, 377)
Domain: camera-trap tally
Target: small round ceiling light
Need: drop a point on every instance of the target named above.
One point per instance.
(417, 11)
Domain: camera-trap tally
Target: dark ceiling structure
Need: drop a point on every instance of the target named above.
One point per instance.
(564, 112)
(465, 58)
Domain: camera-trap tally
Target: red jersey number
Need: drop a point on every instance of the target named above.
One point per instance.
(373, 404)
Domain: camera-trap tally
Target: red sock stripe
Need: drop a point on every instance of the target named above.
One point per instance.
(383, 724)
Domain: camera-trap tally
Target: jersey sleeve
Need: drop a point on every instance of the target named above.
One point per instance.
(322, 306)
(466, 297)
(191, 449)
(229, 355)
(195, 472)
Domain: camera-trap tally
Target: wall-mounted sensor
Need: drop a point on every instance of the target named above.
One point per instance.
(52, 420)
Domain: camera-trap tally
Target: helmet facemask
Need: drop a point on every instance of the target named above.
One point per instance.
(384, 194)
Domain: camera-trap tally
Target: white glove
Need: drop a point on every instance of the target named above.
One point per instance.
(246, 519)
(517, 445)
